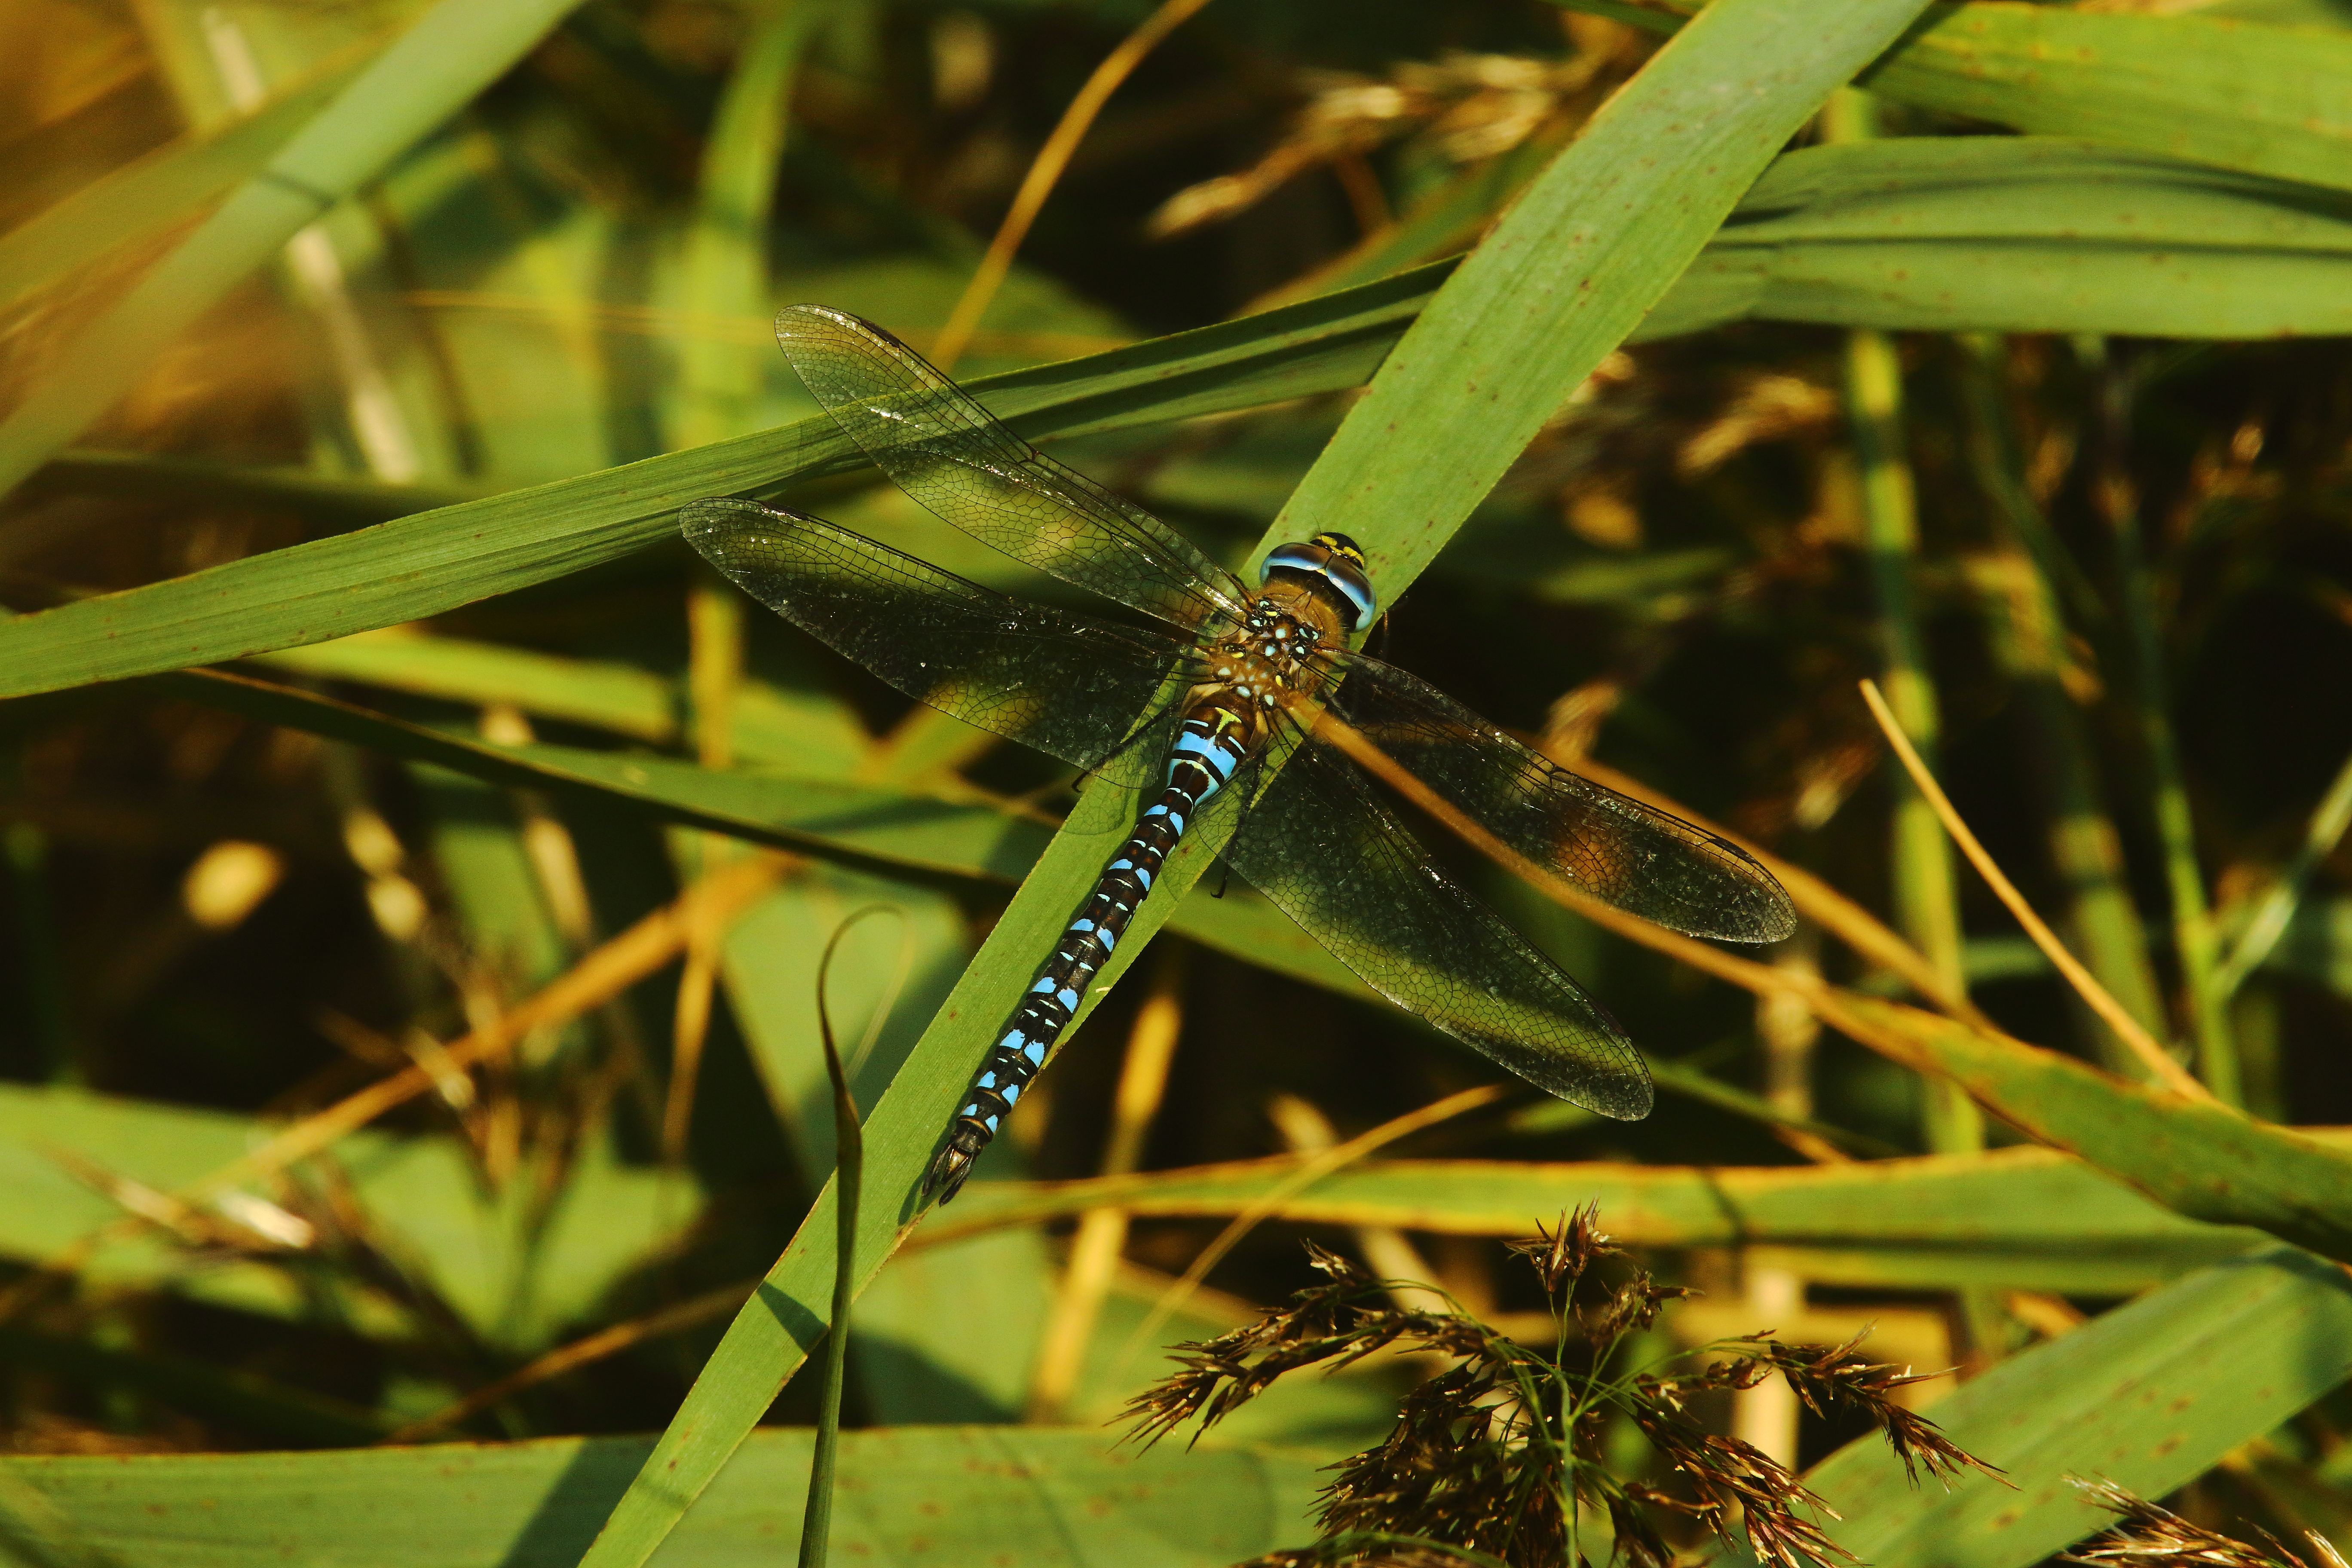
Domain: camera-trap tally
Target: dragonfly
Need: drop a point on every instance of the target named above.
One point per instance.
(1211, 709)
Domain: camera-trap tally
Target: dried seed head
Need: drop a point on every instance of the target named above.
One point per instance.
(1837, 1379)
(1561, 1257)
(2146, 1536)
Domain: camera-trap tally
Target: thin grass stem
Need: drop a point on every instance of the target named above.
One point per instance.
(1924, 886)
(1309, 1172)
(1871, 938)
(2152, 1055)
(848, 1175)
(1836, 1007)
(27, 848)
(726, 260)
(2030, 638)
(2276, 912)
(714, 619)
(1045, 173)
(601, 1345)
(2194, 941)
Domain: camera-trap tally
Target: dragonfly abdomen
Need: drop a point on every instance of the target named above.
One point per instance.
(1211, 744)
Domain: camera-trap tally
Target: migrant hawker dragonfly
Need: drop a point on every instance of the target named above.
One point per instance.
(1200, 709)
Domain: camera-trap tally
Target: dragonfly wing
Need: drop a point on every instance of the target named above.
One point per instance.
(1073, 687)
(1337, 861)
(958, 460)
(1632, 856)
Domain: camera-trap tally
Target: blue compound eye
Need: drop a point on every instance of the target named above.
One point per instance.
(1334, 559)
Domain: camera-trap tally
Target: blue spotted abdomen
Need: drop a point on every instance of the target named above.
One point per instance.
(1208, 748)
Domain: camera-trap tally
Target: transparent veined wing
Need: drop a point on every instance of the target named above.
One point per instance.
(958, 460)
(1071, 686)
(1334, 858)
(1633, 856)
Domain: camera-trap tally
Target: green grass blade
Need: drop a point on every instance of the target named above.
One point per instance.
(1668, 194)
(151, 194)
(942, 1494)
(2271, 100)
(768, 1340)
(772, 725)
(2205, 1162)
(336, 503)
(2198, 1157)
(2194, 941)
(2030, 641)
(868, 826)
(2022, 236)
(726, 261)
(1925, 889)
(612, 696)
(428, 74)
(2016, 1216)
(2149, 1395)
(421, 565)
(849, 1167)
(2246, 95)
(1596, 240)
(2277, 910)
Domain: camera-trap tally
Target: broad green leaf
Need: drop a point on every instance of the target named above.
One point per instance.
(2149, 1396)
(2269, 99)
(913, 1496)
(2285, 12)
(2030, 1217)
(2021, 234)
(2197, 1157)
(771, 960)
(418, 81)
(1674, 148)
(503, 365)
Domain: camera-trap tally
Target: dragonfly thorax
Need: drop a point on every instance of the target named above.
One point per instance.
(1277, 651)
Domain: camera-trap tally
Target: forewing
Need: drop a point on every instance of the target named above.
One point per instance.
(956, 459)
(1333, 858)
(1632, 856)
(1070, 686)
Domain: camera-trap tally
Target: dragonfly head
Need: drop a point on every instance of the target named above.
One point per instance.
(1332, 566)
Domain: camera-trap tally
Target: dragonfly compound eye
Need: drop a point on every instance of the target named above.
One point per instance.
(1331, 566)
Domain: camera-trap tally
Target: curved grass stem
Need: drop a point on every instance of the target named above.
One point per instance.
(2143, 1044)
